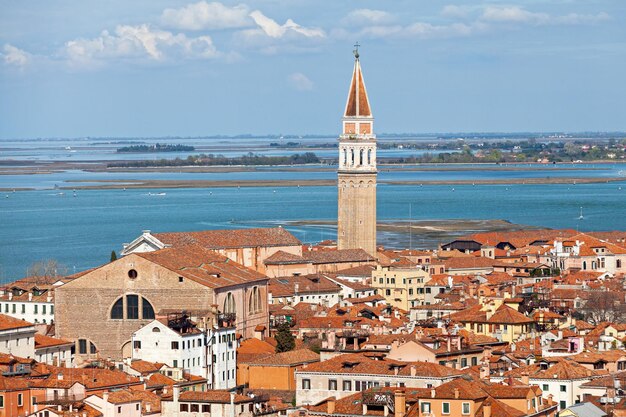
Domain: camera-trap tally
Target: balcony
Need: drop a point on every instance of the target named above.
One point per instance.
(60, 399)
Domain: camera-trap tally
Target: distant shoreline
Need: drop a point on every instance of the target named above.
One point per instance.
(32, 168)
(171, 184)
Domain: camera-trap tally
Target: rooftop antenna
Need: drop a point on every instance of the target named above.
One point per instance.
(410, 227)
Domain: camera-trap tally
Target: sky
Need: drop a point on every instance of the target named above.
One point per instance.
(140, 68)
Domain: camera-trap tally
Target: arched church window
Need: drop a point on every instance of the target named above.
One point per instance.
(117, 311)
(136, 307)
(229, 304)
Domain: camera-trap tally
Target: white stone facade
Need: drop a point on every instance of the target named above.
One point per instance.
(210, 354)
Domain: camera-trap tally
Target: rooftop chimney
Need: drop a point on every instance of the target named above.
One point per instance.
(456, 393)
(433, 393)
(330, 405)
(399, 403)
(413, 370)
(30, 296)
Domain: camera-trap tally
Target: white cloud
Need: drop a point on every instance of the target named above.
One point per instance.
(513, 14)
(455, 12)
(138, 42)
(582, 19)
(270, 37)
(300, 82)
(14, 56)
(362, 17)
(204, 15)
(272, 29)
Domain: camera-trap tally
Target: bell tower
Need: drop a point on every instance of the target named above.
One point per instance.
(356, 221)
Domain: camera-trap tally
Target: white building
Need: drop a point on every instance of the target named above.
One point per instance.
(179, 343)
(30, 303)
(53, 351)
(17, 337)
(214, 403)
(562, 379)
(352, 289)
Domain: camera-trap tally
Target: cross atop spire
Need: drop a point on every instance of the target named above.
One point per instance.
(358, 104)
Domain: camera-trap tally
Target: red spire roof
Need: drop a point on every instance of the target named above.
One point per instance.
(358, 103)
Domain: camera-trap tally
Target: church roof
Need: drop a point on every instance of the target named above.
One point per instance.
(358, 103)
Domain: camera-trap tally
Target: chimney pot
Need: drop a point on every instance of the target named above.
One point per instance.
(331, 405)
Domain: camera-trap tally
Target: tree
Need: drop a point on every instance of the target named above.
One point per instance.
(113, 256)
(284, 339)
(604, 306)
(46, 271)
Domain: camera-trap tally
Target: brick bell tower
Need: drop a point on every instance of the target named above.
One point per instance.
(356, 224)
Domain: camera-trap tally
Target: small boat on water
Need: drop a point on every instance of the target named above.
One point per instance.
(157, 194)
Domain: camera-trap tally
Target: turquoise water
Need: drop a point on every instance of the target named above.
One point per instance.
(81, 231)
(421, 173)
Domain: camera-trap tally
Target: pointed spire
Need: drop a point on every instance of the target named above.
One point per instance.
(358, 103)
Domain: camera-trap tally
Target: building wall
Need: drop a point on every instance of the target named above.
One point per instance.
(12, 407)
(253, 257)
(84, 305)
(356, 223)
(246, 320)
(18, 342)
(36, 311)
(271, 377)
(55, 355)
(401, 287)
(320, 384)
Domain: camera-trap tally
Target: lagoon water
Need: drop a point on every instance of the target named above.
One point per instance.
(81, 231)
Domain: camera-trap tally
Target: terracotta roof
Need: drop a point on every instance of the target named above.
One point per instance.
(89, 377)
(212, 396)
(518, 238)
(13, 384)
(284, 258)
(253, 349)
(357, 271)
(203, 266)
(503, 315)
(291, 358)
(235, 238)
(159, 380)
(306, 284)
(360, 363)
(10, 323)
(328, 256)
(145, 367)
(42, 341)
(79, 409)
(358, 103)
(468, 263)
(562, 369)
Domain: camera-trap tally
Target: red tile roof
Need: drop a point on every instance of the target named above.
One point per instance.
(203, 266)
(236, 238)
(10, 323)
(291, 358)
(42, 341)
(359, 363)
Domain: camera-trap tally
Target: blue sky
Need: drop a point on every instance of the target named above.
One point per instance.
(157, 68)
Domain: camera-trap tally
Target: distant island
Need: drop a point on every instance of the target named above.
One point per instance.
(221, 160)
(158, 147)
